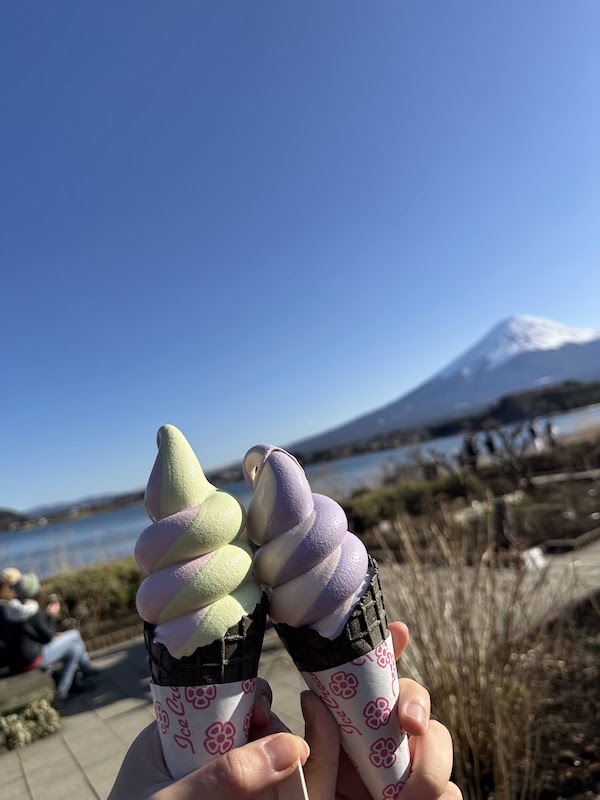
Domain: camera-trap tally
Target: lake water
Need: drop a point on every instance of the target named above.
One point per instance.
(103, 537)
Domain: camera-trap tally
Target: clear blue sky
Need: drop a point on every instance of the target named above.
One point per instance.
(256, 220)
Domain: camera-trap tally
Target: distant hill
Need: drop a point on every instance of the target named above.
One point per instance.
(43, 515)
(11, 520)
(519, 353)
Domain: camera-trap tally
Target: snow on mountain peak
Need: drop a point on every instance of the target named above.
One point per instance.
(518, 334)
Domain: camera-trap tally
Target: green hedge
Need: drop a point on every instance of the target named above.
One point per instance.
(98, 593)
(367, 509)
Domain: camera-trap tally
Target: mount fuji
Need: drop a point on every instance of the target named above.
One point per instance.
(519, 353)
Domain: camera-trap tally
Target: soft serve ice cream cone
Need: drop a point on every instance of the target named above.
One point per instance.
(204, 613)
(327, 606)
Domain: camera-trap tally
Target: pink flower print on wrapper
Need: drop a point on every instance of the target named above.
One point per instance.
(392, 790)
(329, 701)
(162, 718)
(383, 753)
(377, 712)
(343, 684)
(384, 657)
(247, 723)
(249, 685)
(200, 696)
(219, 738)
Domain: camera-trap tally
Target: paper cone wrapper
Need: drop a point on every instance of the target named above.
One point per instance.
(203, 702)
(355, 676)
(362, 696)
(199, 723)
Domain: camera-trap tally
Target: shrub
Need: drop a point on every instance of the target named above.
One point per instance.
(35, 721)
(98, 593)
(366, 509)
(458, 484)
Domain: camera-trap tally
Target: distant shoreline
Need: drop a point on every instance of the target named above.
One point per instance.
(10, 522)
(512, 409)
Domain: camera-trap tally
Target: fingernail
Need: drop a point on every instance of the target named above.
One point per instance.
(417, 712)
(264, 702)
(308, 709)
(304, 748)
(283, 750)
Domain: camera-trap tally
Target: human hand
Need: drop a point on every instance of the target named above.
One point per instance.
(53, 608)
(329, 772)
(249, 772)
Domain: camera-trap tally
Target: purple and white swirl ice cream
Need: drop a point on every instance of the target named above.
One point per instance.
(316, 568)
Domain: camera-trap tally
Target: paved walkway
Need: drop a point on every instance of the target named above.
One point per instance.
(80, 762)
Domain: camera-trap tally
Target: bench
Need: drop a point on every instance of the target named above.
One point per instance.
(18, 691)
(555, 546)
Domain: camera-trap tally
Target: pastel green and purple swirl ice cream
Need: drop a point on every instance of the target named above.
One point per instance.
(317, 569)
(200, 581)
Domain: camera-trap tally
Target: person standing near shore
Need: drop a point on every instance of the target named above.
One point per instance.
(470, 451)
(550, 434)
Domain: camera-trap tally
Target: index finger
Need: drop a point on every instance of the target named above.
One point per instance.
(264, 721)
(400, 637)
(263, 700)
(144, 757)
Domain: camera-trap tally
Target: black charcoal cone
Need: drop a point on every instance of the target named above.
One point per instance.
(233, 658)
(365, 629)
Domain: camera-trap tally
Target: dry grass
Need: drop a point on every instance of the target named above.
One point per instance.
(480, 643)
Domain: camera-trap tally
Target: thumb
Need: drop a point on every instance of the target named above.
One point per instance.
(253, 770)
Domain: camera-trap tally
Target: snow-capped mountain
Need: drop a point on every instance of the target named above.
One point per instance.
(519, 353)
(516, 335)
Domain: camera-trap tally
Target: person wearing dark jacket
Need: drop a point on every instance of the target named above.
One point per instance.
(29, 637)
(26, 629)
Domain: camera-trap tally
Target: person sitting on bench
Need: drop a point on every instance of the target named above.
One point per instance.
(28, 633)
